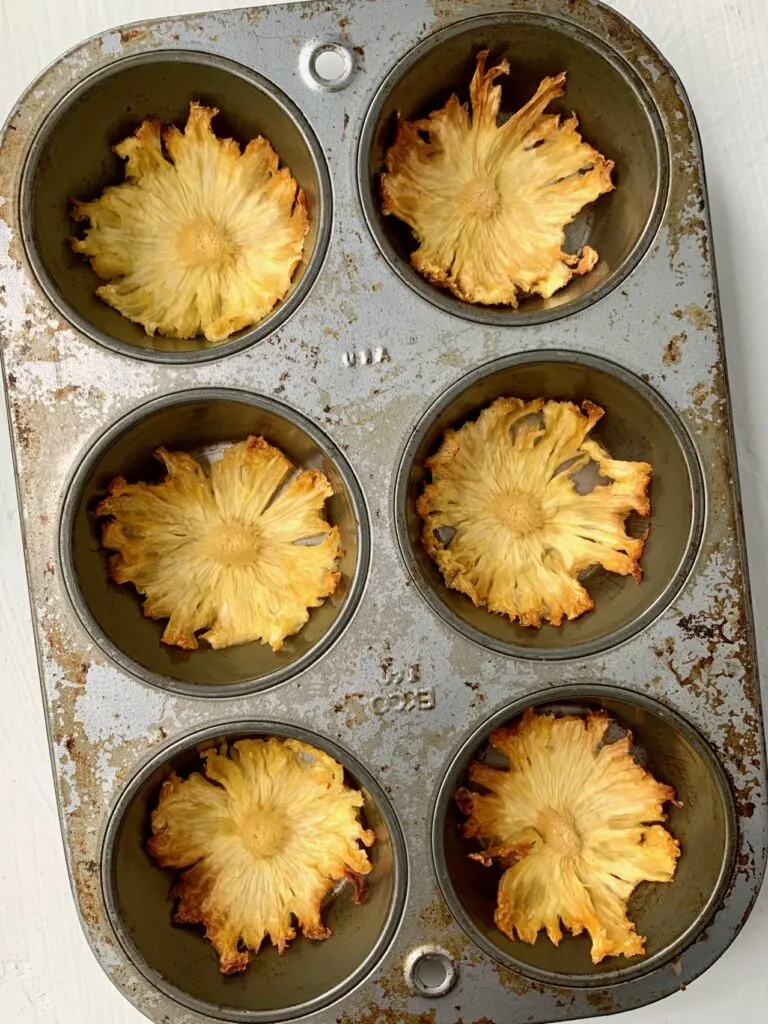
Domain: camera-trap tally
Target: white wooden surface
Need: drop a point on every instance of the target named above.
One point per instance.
(47, 973)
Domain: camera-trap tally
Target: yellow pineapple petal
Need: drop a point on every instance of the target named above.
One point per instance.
(240, 553)
(263, 837)
(576, 820)
(489, 202)
(506, 522)
(204, 240)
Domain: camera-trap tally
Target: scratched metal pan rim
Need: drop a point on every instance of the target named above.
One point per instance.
(178, 960)
(638, 425)
(71, 157)
(617, 114)
(671, 915)
(195, 419)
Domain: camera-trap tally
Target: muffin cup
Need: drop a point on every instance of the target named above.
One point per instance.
(616, 115)
(637, 426)
(178, 959)
(671, 915)
(71, 157)
(112, 614)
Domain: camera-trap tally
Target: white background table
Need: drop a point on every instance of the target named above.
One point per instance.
(47, 972)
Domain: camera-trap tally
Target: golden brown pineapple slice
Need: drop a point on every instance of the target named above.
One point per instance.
(200, 238)
(487, 201)
(263, 837)
(223, 552)
(576, 822)
(506, 522)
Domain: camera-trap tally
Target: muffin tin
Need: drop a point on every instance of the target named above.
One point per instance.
(357, 372)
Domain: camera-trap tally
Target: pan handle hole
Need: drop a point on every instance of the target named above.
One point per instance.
(431, 972)
(330, 66)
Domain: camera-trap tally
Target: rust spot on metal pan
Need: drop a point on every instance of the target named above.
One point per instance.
(72, 662)
(437, 920)
(478, 697)
(712, 631)
(700, 318)
(353, 708)
(67, 391)
(696, 675)
(673, 352)
(374, 1014)
(742, 747)
(602, 1000)
(518, 984)
(23, 423)
(393, 985)
(136, 34)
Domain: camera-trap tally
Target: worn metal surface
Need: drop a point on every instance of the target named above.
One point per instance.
(662, 324)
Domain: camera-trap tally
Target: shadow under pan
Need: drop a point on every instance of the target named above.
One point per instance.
(670, 915)
(183, 964)
(113, 614)
(637, 426)
(71, 158)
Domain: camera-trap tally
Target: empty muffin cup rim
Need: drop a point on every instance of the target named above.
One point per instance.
(78, 480)
(283, 311)
(431, 594)
(572, 694)
(241, 729)
(478, 313)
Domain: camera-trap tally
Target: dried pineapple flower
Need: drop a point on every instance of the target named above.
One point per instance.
(203, 240)
(489, 202)
(572, 819)
(504, 517)
(223, 552)
(264, 836)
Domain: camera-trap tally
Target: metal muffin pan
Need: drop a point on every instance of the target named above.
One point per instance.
(358, 379)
